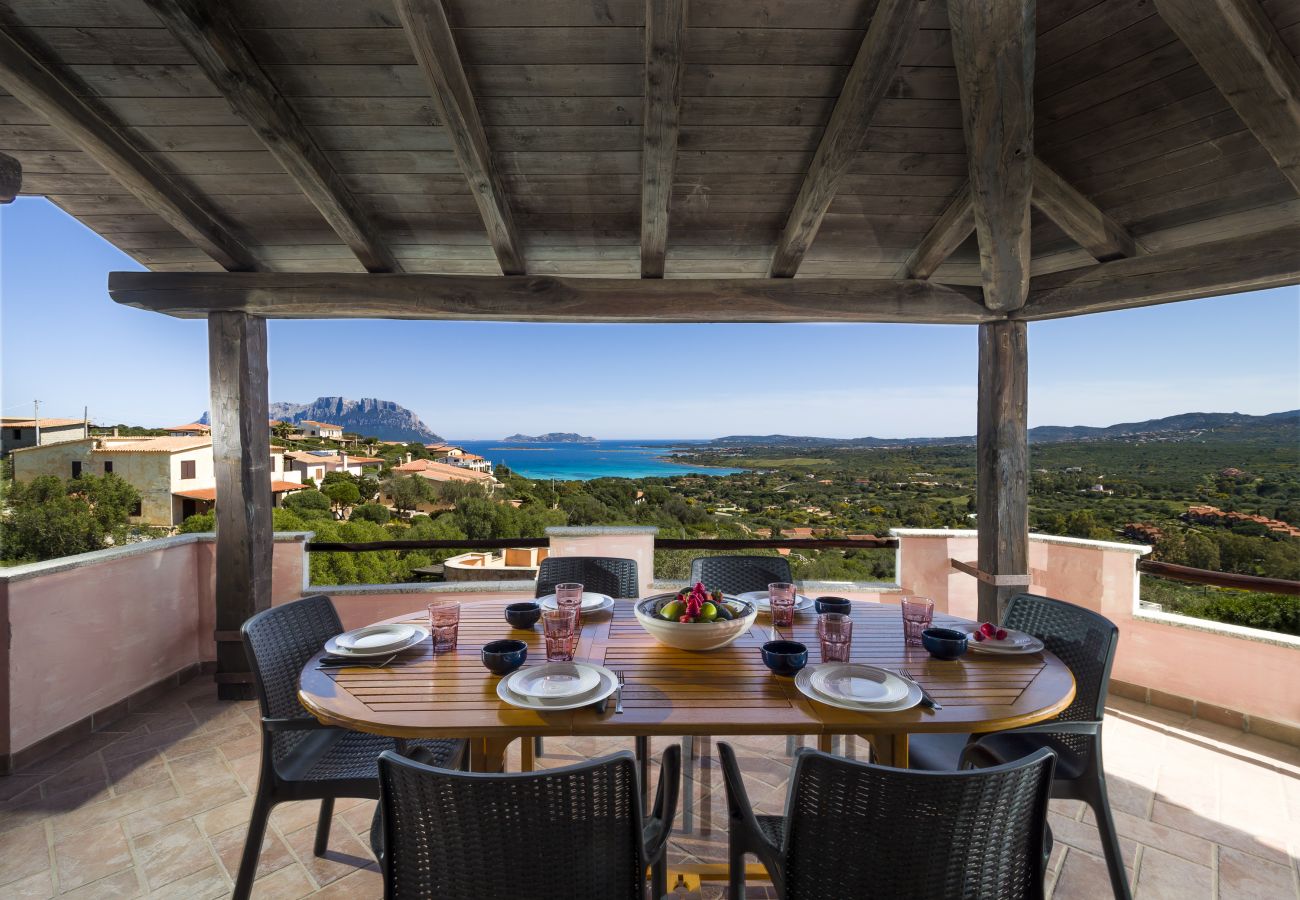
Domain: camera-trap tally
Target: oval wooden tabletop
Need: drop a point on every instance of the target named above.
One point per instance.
(673, 692)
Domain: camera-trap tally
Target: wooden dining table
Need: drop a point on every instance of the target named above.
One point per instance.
(667, 691)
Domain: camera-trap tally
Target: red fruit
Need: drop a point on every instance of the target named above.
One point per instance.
(988, 629)
(686, 618)
(979, 636)
(1002, 634)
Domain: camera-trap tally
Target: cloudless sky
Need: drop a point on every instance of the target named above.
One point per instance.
(67, 344)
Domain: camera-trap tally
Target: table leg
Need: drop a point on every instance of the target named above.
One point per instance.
(526, 760)
(488, 754)
(824, 743)
(888, 749)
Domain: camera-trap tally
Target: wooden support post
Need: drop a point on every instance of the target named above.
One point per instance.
(11, 178)
(1002, 447)
(241, 436)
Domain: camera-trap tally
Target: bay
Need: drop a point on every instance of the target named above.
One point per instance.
(583, 462)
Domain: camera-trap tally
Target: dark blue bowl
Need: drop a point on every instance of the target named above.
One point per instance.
(785, 657)
(523, 615)
(834, 604)
(503, 657)
(944, 643)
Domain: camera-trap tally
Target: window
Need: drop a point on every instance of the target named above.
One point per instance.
(108, 467)
(16, 433)
(76, 469)
(187, 469)
(137, 509)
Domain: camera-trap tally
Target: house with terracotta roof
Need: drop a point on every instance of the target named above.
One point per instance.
(17, 432)
(309, 428)
(439, 471)
(194, 429)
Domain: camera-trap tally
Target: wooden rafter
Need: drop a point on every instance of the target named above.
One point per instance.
(1079, 217)
(954, 226)
(429, 33)
(665, 46)
(535, 298)
(209, 33)
(37, 87)
(892, 25)
(1238, 47)
(993, 48)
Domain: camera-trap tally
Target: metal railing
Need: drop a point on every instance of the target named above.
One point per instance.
(1212, 578)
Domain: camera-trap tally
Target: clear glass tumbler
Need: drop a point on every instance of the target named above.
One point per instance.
(781, 597)
(835, 630)
(569, 596)
(560, 627)
(918, 613)
(444, 624)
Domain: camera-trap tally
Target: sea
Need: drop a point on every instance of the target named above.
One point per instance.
(583, 462)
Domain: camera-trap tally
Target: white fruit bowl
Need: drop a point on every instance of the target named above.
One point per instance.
(695, 636)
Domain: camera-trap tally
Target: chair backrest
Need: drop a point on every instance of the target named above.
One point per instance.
(601, 574)
(739, 574)
(279, 641)
(1084, 640)
(864, 831)
(548, 835)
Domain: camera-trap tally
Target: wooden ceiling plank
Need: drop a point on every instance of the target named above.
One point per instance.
(1241, 51)
(434, 46)
(44, 92)
(1229, 266)
(893, 24)
(665, 42)
(950, 232)
(993, 48)
(535, 298)
(1079, 217)
(210, 35)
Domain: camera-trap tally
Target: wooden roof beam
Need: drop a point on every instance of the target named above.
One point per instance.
(209, 33)
(536, 298)
(993, 48)
(1238, 47)
(892, 26)
(665, 45)
(429, 33)
(101, 138)
(950, 232)
(1079, 217)
(1248, 263)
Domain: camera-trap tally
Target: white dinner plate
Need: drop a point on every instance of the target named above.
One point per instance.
(333, 649)
(376, 637)
(554, 681)
(759, 599)
(608, 683)
(856, 683)
(1017, 643)
(803, 681)
(590, 601)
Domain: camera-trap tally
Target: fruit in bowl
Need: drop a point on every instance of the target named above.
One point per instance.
(695, 618)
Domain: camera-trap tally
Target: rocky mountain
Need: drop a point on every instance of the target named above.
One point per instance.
(551, 437)
(368, 417)
(1184, 427)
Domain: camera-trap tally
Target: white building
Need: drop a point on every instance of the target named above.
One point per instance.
(17, 432)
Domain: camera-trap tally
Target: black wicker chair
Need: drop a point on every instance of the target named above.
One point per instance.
(601, 574)
(1086, 642)
(739, 574)
(303, 759)
(863, 831)
(576, 831)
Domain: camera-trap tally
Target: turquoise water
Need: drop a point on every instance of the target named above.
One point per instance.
(582, 462)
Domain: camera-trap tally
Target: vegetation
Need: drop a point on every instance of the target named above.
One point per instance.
(49, 517)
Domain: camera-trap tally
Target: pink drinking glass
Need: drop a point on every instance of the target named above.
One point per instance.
(918, 613)
(569, 596)
(444, 624)
(836, 633)
(561, 630)
(781, 597)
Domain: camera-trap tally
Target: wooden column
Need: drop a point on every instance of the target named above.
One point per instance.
(11, 178)
(1002, 448)
(241, 436)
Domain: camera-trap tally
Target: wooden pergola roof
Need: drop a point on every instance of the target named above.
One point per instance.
(716, 139)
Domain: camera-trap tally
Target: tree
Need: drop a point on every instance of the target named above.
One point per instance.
(371, 512)
(309, 504)
(45, 521)
(111, 499)
(342, 494)
(407, 492)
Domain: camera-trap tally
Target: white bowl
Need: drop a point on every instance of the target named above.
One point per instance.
(694, 636)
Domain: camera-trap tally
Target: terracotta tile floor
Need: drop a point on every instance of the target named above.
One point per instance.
(156, 805)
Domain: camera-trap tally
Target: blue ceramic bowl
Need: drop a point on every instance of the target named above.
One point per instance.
(834, 604)
(785, 657)
(523, 615)
(944, 643)
(503, 657)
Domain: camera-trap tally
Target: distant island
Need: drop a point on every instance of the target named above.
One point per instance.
(551, 437)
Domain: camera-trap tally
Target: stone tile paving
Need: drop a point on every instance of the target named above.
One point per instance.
(156, 806)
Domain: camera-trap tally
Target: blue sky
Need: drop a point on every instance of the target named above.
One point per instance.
(66, 343)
